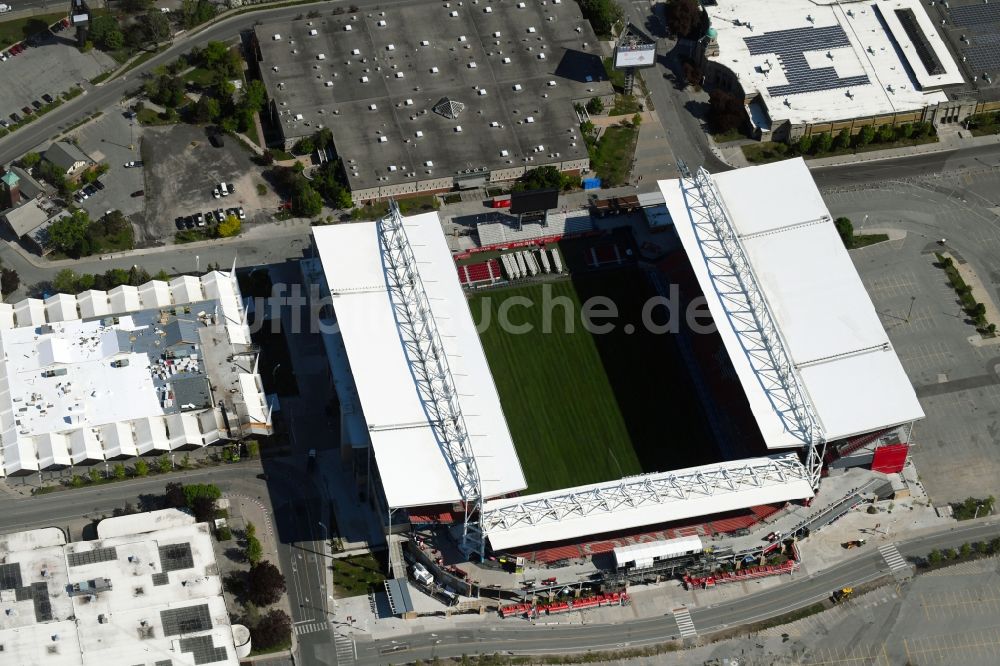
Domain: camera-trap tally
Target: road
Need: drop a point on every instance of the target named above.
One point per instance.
(797, 593)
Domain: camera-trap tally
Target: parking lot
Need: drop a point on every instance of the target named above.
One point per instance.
(51, 67)
(181, 170)
(955, 375)
(107, 139)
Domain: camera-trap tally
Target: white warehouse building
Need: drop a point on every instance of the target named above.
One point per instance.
(135, 370)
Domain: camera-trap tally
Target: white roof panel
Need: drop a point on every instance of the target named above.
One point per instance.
(682, 494)
(826, 318)
(353, 267)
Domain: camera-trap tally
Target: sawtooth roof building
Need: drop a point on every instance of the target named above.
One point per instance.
(134, 370)
(426, 96)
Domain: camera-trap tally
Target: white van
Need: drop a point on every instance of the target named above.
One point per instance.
(5, 8)
(224, 189)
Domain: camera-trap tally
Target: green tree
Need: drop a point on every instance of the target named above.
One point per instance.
(229, 227)
(804, 144)
(595, 105)
(846, 231)
(950, 553)
(824, 143)
(725, 111)
(9, 281)
(685, 18)
(540, 178)
(119, 471)
(65, 281)
(95, 475)
(193, 491)
(250, 529)
(306, 202)
(196, 12)
(254, 551)
(843, 139)
(886, 134)
(156, 26)
(207, 109)
(866, 135)
(141, 468)
(186, 461)
(264, 584)
(253, 448)
(935, 557)
(29, 160)
(602, 14)
(272, 630)
(965, 551)
(76, 481)
(163, 463)
(905, 131)
(254, 97)
(69, 234)
(304, 146)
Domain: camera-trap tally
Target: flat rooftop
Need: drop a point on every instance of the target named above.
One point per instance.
(830, 329)
(820, 61)
(411, 462)
(971, 29)
(375, 77)
(149, 595)
(92, 377)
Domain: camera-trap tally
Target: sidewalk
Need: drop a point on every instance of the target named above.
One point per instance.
(732, 154)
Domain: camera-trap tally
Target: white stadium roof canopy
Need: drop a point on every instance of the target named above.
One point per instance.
(414, 468)
(649, 499)
(825, 318)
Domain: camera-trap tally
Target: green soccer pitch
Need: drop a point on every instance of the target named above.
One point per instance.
(585, 407)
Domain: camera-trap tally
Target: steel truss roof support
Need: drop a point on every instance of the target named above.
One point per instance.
(643, 491)
(750, 316)
(429, 363)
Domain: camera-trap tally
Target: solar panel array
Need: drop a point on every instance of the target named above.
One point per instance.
(10, 576)
(40, 600)
(161, 579)
(92, 556)
(203, 650)
(790, 47)
(175, 557)
(972, 16)
(185, 620)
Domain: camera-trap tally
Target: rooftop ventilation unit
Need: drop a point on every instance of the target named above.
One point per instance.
(392, 167)
(347, 28)
(276, 37)
(496, 34)
(458, 128)
(472, 65)
(494, 124)
(381, 23)
(399, 75)
(517, 87)
(506, 61)
(418, 134)
(504, 153)
(449, 108)
(434, 70)
(529, 119)
(329, 84)
(298, 116)
(482, 92)
(321, 56)
(461, 38)
(383, 139)
(429, 163)
(425, 43)
(453, 14)
(520, 5)
(373, 107)
(314, 32)
(364, 79)
(408, 102)
(541, 56)
(390, 47)
(356, 52)
(531, 30)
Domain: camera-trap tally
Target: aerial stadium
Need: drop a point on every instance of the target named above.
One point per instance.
(529, 446)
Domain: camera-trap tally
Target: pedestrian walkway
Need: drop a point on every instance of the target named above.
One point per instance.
(309, 628)
(892, 557)
(684, 622)
(346, 651)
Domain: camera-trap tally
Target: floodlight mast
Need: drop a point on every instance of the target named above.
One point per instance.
(752, 318)
(428, 360)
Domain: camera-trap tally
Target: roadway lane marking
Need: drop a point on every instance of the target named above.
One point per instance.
(346, 650)
(682, 616)
(892, 557)
(309, 628)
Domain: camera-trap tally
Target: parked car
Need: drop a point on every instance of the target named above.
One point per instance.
(189, 222)
(130, 114)
(37, 104)
(216, 193)
(48, 98)
(4, 123)
(224, 189)
(198, 220)
(219, 216)
(209, 218)
(16, 118)
(98, 184)
(216, 139)
(139, 193)
(26, 110)
(241, 214)
(90, 190)
(179, 223)
(129, 165)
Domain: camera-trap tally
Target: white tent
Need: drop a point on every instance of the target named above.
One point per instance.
(154, 294)
(93, 303)
(29, 312)
(61, 307)
(186, 289)
(124, 298)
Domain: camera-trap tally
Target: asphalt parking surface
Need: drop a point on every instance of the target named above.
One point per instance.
(107, 139)
(182, 168)
(955, 447)
(52, 68)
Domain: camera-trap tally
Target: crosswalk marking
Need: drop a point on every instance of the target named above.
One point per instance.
(345, 649)
(892, 557)
(309, 628)
(684, 623)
